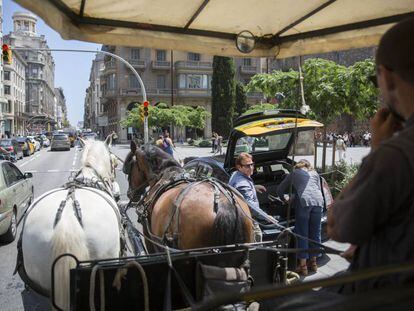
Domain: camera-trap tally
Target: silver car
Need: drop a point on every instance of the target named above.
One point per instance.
(16, 194)
(60, 142)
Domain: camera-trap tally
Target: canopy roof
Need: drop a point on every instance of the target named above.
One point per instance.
(283, 28)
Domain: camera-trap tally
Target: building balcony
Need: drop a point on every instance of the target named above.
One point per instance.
(194, 65)
(111, 65)
(249, 69)
(138, 63)
(35, 59)
(150, 92)
(161, 65)
(130, 92)
(110, 93)
(161, 92)
(194, 92)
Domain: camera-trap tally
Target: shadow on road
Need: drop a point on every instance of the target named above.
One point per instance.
(35, 302)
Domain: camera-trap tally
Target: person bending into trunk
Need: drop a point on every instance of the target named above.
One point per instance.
(308, 203)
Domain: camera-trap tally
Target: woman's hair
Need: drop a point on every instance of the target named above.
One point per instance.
(304, 164)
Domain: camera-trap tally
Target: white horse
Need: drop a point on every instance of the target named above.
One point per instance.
(91, 231)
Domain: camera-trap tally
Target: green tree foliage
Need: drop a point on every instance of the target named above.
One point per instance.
(241, 99)
(330, 89)
(223, 95)
(325, 84)
(259, 108)
(285, 82)
(163, 116)
(362, 95)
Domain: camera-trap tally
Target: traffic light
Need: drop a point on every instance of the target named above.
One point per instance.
(7, 54)
(146, 104)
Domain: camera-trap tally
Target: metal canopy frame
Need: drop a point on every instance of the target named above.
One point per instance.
(270, 40)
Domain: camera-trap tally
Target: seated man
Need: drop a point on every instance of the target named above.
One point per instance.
(375, 211)
(241, 180)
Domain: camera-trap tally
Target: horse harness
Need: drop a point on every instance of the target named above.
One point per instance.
(77, 183)
(146, 203)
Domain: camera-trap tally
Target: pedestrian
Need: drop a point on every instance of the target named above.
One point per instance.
(352, 140)
(168, 144)
(214, 142)
(375, 212)
(219, 144)
(341, 147)
(308, 203)
(242, 181)
(114, 138)
(159, 142)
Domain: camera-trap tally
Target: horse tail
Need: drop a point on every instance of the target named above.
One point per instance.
(68, 237)
(229, 225)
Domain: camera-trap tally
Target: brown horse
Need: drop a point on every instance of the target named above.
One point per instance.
(185, 213)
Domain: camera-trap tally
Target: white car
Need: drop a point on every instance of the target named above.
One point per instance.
(46, 142)
(16, 194)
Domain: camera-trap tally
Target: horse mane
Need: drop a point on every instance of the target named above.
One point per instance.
(158, 159)
(96, 155)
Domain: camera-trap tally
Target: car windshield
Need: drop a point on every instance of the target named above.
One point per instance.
(60, 137)
(276, 141)
(21, 139)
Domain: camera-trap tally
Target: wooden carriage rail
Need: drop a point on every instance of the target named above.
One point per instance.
(274, 292)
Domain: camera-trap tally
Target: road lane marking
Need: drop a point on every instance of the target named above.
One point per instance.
(53, 171)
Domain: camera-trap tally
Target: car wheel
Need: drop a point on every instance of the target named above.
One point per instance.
(11, 233)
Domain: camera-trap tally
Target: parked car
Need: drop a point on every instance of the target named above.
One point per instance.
(35, 143)
(16, 194)
(72, 138)
(27, 146)
(60, 142)
(43, 139)
(13, 147)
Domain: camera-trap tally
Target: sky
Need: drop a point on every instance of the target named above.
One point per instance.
(71, 69)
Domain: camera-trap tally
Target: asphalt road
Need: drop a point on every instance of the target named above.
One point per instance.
(51, 170)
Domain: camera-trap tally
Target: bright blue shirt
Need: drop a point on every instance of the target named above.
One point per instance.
(245, 186)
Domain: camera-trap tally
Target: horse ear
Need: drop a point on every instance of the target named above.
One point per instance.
(108, 140)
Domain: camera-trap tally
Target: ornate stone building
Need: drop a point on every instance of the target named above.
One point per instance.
(171, 77)
(15, 93)
(3, 101)
(40, 72)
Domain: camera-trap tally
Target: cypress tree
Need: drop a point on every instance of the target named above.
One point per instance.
(223, 95)
(241, 99)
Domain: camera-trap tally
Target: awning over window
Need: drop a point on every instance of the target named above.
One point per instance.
(283, 28)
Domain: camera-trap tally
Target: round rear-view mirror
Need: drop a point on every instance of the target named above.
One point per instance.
(245, 41)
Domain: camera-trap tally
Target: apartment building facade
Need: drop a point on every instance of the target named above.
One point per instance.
(94, 115)
(171, 77)
(40, 69)
(14, 116)
(60, 113)
(3, 101)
